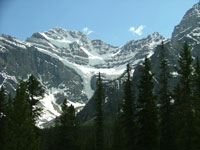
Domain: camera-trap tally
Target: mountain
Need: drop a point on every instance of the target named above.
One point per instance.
(189, 25)
(188, 30)
(66, 63)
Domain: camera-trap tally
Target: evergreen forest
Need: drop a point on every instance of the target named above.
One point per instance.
(167, 119)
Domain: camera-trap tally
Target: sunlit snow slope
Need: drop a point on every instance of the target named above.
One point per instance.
(88, 57)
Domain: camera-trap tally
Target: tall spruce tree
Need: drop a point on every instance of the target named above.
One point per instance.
(72, 128)
(35, 93)
(19, 131)
(99, 127)
(147, 111)
(2, 115)
(2, 101)
(8, 110)
(166, 111)
(61, 131)
(197, 80)
(128, 115)
(196, 104)
(66, 128)
(184, 117)
(35, 90)
(118, 141)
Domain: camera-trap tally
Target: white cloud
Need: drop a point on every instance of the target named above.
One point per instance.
(138, 31)
(87, 31)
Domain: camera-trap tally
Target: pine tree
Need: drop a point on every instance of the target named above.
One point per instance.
(35, 92)
(66, 128)
(177, 110)
(19, 131)
(177, 96)
(147, 111)
(64, 117)
(8, 110)
(72, 128)
(61, 129)
(197, 79)
(99, 129)
(185, 71)
(2, 101)
(196, 105)
(117, 133)
(2, 115)
(166, 112)
(128, 107)
(184, 122)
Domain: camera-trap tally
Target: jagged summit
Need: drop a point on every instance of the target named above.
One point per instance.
(66, 63)
(63, 33)
(78, 51)
(89, 57)
(59, 37)
(190, 21)
(187, 31)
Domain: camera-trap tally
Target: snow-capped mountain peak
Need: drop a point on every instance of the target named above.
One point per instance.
(88, 57)
(66, 63)
(189, 22)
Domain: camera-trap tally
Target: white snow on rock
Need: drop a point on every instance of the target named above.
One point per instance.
(85, 56)
(117, 57)
(51, 110)
(174, 74)
(98, 55)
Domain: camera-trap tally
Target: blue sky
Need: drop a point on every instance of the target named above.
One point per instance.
(114, 21)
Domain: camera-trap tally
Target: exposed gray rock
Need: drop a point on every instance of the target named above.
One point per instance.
(187, 31)
(190, 21)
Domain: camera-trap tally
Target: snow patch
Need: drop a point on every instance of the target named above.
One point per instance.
(116, 53)
(174, 74)
(78, 106)
(8, 77)
(87, 72)
(2, 49)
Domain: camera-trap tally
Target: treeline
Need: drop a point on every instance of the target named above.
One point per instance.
(167, 120)
(149, 120)
(18, 116)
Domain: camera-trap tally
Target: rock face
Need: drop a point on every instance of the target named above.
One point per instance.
(66, 63)
(19, 59)
(187, 31)
(190, 23)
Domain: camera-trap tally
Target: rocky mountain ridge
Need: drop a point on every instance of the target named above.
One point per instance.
(66, 63)
(187, 31)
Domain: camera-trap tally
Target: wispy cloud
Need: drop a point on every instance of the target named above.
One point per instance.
(138, 31)
(87, 31)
